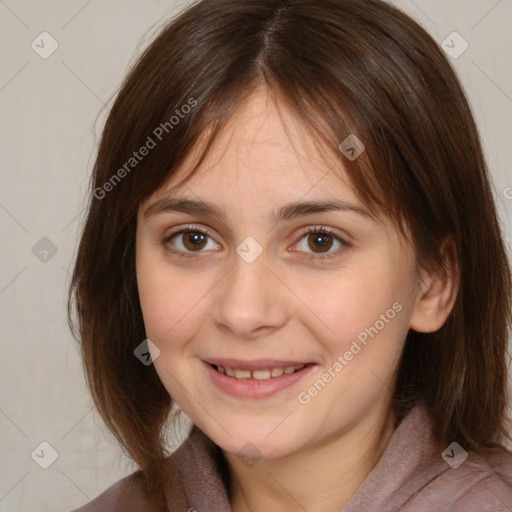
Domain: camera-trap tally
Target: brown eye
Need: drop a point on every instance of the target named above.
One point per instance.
(189, 240)
(320, 242)
(193, 240)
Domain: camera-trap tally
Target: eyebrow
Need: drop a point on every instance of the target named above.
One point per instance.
(287, 212)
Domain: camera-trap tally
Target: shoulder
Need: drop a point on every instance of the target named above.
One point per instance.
(414, 474)
(126, 495)
(191, 473)
(479, 483)
(453, 479)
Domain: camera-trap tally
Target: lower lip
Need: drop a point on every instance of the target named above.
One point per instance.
(253, 388)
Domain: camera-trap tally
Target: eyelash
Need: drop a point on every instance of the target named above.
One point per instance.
(203, 231)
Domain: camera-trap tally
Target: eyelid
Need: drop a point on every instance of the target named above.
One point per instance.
(190, 227)
(323, 229)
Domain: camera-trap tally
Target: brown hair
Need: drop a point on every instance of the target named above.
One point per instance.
(342, 67)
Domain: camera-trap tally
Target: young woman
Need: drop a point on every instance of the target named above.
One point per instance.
(292, 237)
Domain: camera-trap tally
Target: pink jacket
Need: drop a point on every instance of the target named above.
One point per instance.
(411, 476)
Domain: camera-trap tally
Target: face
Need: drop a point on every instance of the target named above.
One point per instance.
(307, 306)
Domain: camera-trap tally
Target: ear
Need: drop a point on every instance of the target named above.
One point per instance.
(437, 292)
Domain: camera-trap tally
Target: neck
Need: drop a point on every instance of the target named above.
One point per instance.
(318, 478)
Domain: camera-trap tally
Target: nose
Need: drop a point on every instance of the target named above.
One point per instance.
(251, 301)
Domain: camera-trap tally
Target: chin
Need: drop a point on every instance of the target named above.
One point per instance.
(255, 442)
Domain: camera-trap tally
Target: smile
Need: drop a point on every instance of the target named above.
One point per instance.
(255, 380)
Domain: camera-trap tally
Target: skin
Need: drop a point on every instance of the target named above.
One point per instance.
(287, 304)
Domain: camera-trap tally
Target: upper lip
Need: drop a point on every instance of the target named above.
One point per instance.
(256, 364)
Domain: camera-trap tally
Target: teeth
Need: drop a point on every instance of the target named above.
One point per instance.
(261, 374)
(276, 372)
(258, 374)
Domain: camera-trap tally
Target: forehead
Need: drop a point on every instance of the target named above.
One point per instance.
(263, 150)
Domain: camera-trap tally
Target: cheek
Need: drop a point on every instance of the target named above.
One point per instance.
(343, 306)
(158, 299)
(172, 300)
(171, 308)
(361, 319)
(166, 308)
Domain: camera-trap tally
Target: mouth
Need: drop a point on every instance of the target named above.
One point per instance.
(255, 379)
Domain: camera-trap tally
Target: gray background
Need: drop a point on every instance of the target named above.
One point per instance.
(49, 131)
